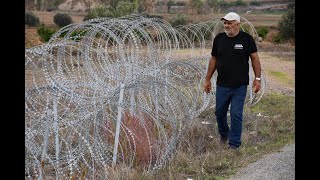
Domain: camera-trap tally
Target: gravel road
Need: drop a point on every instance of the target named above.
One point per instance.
(275, 166)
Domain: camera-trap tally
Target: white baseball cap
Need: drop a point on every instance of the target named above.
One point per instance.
(231, 16)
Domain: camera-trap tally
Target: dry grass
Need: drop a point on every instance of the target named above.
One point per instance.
(267, 126)
(123, 172)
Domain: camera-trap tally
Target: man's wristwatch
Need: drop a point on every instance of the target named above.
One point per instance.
(259, 79)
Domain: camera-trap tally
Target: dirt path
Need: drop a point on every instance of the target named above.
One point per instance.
(275, 166)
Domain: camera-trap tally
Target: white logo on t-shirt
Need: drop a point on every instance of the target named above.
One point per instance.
(238, 46)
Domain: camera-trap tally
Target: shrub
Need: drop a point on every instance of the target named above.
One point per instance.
(160, 3)
(255, 3)
(31, 19)
(238, 3)
(181, 19)
(98, 11)
(62, 19)
(223, 4)
(262, 31)
(123, 8)
(287, 24)
(277, 39)
(45, 33)
(76, 35)
(180, 3)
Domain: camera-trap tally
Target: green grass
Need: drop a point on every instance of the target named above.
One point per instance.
(282, 77)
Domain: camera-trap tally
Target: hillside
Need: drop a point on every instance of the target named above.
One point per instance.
(85, 5)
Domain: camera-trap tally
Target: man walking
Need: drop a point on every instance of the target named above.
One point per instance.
(230, 57)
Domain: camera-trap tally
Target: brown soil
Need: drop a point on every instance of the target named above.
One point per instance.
(31, 37)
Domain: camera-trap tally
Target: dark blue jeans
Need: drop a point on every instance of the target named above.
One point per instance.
(235, 97)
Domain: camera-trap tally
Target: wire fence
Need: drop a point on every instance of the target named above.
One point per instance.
(115, 90)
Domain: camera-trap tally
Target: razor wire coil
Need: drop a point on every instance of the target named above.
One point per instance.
(130, 72)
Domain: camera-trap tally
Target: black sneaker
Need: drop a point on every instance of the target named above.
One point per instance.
(233, 147)
(223, 139)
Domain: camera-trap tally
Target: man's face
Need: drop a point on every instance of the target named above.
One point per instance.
(231, 27)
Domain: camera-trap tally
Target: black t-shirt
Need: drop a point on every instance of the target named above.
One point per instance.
(232, 54)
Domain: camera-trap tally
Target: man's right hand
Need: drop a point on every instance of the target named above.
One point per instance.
(207, 86)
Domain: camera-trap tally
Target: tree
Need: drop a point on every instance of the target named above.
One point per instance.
(287, 24)
(62, 19)
(31, 19)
